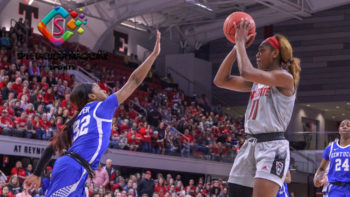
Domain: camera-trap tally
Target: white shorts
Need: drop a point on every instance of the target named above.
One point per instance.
(266, 160)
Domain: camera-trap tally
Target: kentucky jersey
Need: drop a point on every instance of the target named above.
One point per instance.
(268, 110)
(339, 162)
(92, 130)
(283, 192)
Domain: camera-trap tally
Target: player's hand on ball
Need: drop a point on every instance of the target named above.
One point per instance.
(242, 31)
(156, 49)
(32, 181)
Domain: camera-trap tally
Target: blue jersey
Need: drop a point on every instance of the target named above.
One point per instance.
(283, 192)
(339, 162)
(92, 130)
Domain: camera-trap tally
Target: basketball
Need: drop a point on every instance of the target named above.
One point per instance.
(235, 17)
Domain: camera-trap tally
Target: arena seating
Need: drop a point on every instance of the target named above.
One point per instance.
(158, 118)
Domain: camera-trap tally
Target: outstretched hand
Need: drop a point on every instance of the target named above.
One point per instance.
(32, 181)
(241, 35)
(156, 49)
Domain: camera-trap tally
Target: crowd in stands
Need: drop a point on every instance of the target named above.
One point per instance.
(109, 182)
(158, 118)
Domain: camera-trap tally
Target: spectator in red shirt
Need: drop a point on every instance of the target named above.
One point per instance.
(48, 97)
(44, 85)
(132, 141)
(52, 129)
(65, 76)
(187, 140)
(191, 187)
(65, 101)
(4, 63)
(37, 127)
(21, 125)
(5, 191)
(24, 91)
(124, 127)
(44, 122)
(30, 109)
(19, 171)
(179, 186)
(59, 123)
(160, 187)
(34, 83)
(45, 72)
(4, 106)
(8, 106)
(72, 109)
(146, 133)
(41, 125)
(4, 81)
(114, 142)
(6, 124)
(206, 189)
(34, 69)
(17, 86)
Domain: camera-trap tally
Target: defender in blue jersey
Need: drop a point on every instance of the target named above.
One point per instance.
(283, 192)
(85, 138)
(337, 155)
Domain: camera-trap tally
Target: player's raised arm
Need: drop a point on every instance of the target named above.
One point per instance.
(139, 74)
(277, 78)
(224, 79)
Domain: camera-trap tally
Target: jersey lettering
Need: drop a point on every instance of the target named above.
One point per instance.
(81, 127)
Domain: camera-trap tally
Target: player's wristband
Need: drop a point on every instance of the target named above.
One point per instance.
(45, 158)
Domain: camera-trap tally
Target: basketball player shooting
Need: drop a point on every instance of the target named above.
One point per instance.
(85, 138)
(263, 160)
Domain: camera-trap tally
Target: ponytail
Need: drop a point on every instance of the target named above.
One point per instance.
(292, 64)
(294, 68)
(62, 141)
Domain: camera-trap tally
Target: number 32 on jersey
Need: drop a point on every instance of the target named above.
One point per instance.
(80, 127)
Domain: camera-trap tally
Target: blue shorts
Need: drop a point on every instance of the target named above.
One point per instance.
(68, 179)
(338, 191)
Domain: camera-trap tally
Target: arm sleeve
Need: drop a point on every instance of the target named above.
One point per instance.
(107, 107)
(45, 158)
(326, 152)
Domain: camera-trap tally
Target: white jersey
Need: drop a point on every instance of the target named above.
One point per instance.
(268, 110)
